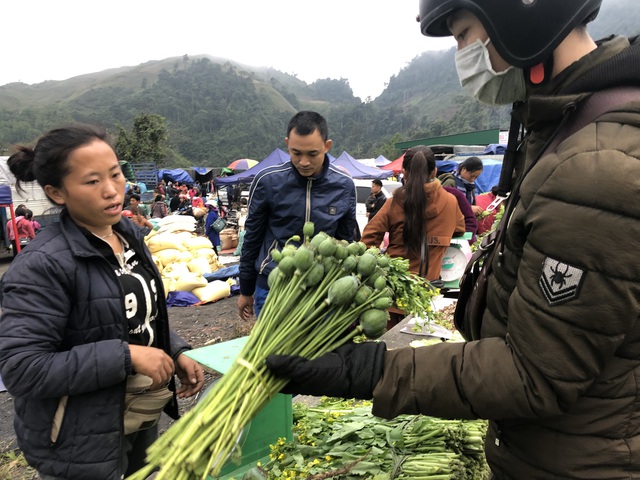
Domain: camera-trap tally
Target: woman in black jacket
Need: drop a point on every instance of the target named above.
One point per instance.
(84, 335)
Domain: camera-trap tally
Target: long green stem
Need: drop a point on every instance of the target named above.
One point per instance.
(295, 320)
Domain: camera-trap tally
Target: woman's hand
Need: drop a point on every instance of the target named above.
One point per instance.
(190, 375)
(153, 362)
(477, 210)
(245, 306)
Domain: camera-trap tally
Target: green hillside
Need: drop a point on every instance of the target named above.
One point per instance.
(217, 110)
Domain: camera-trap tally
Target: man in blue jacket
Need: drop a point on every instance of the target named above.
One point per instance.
(283, 197)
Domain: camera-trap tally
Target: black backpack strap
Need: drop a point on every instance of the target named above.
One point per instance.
(593, 107)
(473, 284)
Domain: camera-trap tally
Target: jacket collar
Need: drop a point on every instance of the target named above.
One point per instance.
(318, 178)
(79, 244)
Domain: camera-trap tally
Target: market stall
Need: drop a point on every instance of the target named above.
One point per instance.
(184, 261)
(352, 443)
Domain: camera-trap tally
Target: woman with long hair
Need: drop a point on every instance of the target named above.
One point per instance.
(421, 217)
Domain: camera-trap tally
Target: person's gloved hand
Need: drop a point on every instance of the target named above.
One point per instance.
(350, 371)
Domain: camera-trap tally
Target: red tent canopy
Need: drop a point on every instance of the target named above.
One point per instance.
(396, 165)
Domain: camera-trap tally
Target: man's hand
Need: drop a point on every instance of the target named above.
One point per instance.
(152, 362)
(350, 371)
(190, 375)
(245, 306)
(477, 210)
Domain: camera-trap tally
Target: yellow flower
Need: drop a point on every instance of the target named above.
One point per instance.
(281, 456)
(328, 458)
(316, 461)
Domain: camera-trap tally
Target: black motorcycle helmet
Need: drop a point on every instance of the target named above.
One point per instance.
(524, 32)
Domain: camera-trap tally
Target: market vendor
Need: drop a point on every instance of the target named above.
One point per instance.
(554, 363)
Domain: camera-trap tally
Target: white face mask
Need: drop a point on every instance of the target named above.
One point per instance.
(479, 79)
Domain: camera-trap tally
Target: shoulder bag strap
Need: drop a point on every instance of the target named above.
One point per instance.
(583, 114)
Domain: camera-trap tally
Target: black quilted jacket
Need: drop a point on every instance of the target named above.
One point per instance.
(62, 333)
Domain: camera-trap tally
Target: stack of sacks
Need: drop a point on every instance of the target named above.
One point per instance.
(183, 258)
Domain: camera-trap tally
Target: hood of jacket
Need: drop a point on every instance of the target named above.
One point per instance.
(615, 63)
(434, 191)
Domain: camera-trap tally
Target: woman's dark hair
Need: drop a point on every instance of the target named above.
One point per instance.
(158, 198)
(419, 163)
(28, 214)
(20, 211)
(47, 162)
(471, 164)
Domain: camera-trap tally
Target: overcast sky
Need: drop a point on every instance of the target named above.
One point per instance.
(364, 41)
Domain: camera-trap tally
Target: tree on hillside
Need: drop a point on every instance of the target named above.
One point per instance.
(146, 142)
(388, 148)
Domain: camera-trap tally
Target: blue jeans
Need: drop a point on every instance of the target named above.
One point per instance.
(259, 297)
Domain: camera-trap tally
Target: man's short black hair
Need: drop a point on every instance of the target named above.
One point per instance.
(135, 196)
(306, 122)
(375, 181)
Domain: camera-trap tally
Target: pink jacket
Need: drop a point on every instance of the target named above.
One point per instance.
(25, 229)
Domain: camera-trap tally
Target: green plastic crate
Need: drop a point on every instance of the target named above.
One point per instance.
(274, 421)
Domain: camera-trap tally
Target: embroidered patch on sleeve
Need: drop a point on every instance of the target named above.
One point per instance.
(559, 281)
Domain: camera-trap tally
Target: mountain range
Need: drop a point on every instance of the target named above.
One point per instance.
(217, 110)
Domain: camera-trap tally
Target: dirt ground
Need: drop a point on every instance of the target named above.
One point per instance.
(200, 325)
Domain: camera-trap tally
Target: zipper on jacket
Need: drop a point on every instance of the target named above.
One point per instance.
(307, 212)
(267, 259)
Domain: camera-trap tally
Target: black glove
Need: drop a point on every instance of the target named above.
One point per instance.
(350, 371)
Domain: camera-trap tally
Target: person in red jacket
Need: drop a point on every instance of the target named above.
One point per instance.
(485, 223)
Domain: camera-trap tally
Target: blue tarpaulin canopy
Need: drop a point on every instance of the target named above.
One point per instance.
(174, 175)
(495, 149)
(490, 175)
(200, 174)
(5, 195)
(202, 170)
(358, 169)
(276, 157)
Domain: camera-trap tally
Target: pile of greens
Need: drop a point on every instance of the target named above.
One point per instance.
(341, 439)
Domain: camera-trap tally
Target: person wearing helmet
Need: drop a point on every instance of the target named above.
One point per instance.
(555, 363)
